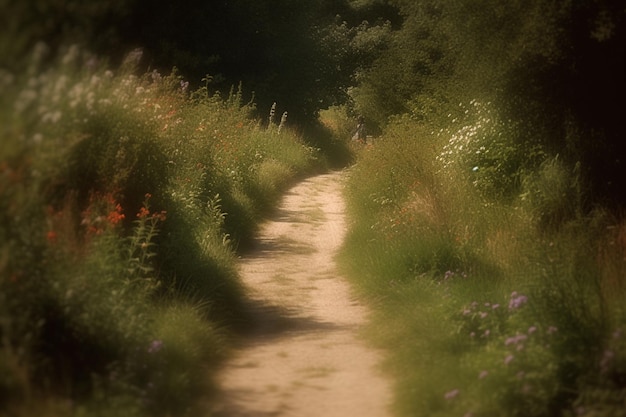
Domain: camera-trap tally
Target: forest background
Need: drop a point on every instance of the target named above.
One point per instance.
(499, 155)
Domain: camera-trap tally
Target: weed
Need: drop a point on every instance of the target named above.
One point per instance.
(489, 282)
(127, 196)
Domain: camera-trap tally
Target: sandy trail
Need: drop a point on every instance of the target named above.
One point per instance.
(305, 356)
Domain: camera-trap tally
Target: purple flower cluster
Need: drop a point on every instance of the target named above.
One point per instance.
(155, 346)
(517, 300)
(451, 274)
(452, 394)
(516, 340)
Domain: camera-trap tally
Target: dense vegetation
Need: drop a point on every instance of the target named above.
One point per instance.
(124, 200)
(486, 229)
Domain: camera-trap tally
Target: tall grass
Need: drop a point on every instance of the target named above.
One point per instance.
(494, 293)
(124, 200)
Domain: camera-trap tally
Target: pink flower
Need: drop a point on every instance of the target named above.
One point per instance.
(155, 346)
(450, 395)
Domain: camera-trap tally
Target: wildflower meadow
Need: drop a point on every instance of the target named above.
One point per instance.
(493, 293)
(125, 198)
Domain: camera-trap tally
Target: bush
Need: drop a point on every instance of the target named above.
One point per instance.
(127, 199)
(492, 296)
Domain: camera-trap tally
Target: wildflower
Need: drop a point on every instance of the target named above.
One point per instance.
(483, 374)
(495, 306)
(116, 215)
(466, 312)
(515, 339)
(143, 213)
(517, 301)
(487, 333)
(52, 236)
(451, 394)
(532, 329)
(552, 329)
(508, 359)
(155, 346)
(482, 314)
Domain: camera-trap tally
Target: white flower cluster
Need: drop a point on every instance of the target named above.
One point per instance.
(462, 140)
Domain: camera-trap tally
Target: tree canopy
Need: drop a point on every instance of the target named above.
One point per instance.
(554, 69)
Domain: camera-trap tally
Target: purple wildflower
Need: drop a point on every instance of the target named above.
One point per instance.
(450, 395)
(155, 346)
(508, 359)
(483, 375)
(552, 329)
(517, 301)
(515, 339)
(532, 329)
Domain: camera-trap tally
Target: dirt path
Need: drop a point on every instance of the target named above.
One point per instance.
(305, 357)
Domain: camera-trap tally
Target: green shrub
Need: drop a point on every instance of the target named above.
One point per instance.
(127, 197)
(490, 303)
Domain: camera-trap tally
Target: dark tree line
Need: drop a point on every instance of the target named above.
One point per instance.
(554, 69)
(295, 53)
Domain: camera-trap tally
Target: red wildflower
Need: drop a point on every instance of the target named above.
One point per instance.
(162, 215)
(143, 213)
(52, 236)
(116, 216)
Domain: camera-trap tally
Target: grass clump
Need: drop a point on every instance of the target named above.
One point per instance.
(495, 290)
(125, 199)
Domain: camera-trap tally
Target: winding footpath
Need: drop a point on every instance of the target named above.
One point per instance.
(305, 356)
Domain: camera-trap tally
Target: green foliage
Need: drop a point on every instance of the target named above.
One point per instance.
(127, 197)
(538, 63)
(482, 194)
(490, 300)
